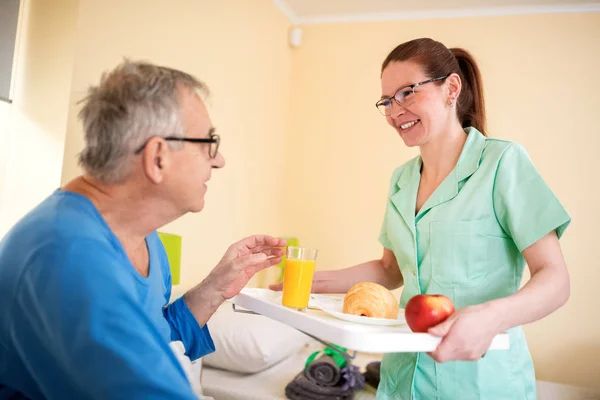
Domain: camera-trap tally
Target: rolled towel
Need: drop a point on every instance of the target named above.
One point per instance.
(302, 389)
(324, 371)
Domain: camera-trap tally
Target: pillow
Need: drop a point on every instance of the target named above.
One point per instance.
(249, 343)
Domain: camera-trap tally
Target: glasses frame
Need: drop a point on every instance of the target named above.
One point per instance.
(412, 87)
(214, 138)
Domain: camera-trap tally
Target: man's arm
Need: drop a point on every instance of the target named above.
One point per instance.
(184, 327)
(188, 315)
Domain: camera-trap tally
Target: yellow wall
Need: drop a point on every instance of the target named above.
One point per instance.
(32, 128)
(308, 154)
(541, 90)
(239, 48)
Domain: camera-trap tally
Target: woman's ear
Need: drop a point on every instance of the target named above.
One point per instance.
(454, 85)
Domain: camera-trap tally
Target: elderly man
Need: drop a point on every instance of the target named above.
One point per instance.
(84, 278)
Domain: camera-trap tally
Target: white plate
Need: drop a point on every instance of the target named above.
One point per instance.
(337, 313)
(329, 301)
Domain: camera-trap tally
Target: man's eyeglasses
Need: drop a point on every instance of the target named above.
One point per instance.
(214, 141)
(403, 96)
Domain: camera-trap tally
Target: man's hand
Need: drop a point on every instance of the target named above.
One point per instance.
(244, 259)
(241, 261)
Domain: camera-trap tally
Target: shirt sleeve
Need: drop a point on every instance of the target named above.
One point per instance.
(86, 329)
(184, 327)
(525, 206)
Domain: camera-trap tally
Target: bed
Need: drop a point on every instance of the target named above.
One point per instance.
(270, 383)
(257, 357)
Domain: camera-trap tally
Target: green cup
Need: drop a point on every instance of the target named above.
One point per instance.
(172, 245)
(291, 241)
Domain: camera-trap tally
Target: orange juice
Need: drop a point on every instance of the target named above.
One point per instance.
(297, 281)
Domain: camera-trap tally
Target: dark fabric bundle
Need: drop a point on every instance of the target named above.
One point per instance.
(323, 379)
(324, 371)
(372, 373)
(303, 389)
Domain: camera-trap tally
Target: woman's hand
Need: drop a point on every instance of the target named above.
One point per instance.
(384, 271)
(322, 283)
(467, 334)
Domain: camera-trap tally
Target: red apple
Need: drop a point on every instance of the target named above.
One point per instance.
(426, 310)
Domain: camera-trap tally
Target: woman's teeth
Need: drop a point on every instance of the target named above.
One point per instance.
(408, 124)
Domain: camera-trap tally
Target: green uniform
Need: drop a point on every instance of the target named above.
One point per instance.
(466, 243)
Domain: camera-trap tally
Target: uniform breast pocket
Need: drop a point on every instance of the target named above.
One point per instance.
(458, 253)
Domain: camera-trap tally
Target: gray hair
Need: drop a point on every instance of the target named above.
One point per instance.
(132, 103)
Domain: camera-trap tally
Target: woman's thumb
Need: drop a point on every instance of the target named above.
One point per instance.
(442, 328)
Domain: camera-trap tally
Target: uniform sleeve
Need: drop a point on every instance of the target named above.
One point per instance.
(383, 236)
(525, 206)
(90, 333)
(383, 233)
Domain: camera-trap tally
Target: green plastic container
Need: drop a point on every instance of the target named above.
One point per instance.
(172, 245)
(291, 241)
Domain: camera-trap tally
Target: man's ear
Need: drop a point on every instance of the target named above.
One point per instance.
(155, 159)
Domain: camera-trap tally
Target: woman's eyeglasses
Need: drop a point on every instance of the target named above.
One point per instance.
(403, 96)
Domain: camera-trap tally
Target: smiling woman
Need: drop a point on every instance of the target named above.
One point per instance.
(454, 67)
(462, 220)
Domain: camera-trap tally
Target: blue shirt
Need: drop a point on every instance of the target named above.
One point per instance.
(78, 321)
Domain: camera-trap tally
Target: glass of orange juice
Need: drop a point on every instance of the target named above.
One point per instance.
(297, 276)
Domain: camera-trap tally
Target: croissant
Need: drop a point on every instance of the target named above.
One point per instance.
(370, 300)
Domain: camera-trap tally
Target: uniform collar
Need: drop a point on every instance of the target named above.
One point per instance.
(467, 164)
(408, 182)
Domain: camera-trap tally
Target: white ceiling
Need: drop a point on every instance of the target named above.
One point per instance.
(324, 11)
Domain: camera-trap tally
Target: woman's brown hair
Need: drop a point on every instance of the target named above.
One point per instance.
(437, 60)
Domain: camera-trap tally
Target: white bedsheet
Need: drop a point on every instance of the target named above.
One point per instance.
(270, 383)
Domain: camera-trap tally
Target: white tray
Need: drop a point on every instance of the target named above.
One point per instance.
(351, 335)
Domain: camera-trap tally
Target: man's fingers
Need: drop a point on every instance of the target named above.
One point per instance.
(252, 263)
(262, 240)
(269, 250)
(253, 269)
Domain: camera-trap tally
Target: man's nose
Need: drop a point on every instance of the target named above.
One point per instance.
(218, 161)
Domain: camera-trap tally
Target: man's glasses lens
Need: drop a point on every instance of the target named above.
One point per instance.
(214, 146)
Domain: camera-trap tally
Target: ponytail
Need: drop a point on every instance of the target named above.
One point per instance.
(470, 104)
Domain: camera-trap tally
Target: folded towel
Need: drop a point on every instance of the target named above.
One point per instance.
(303, 389)
(324, 371)
(342, 383)
(373, 373)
